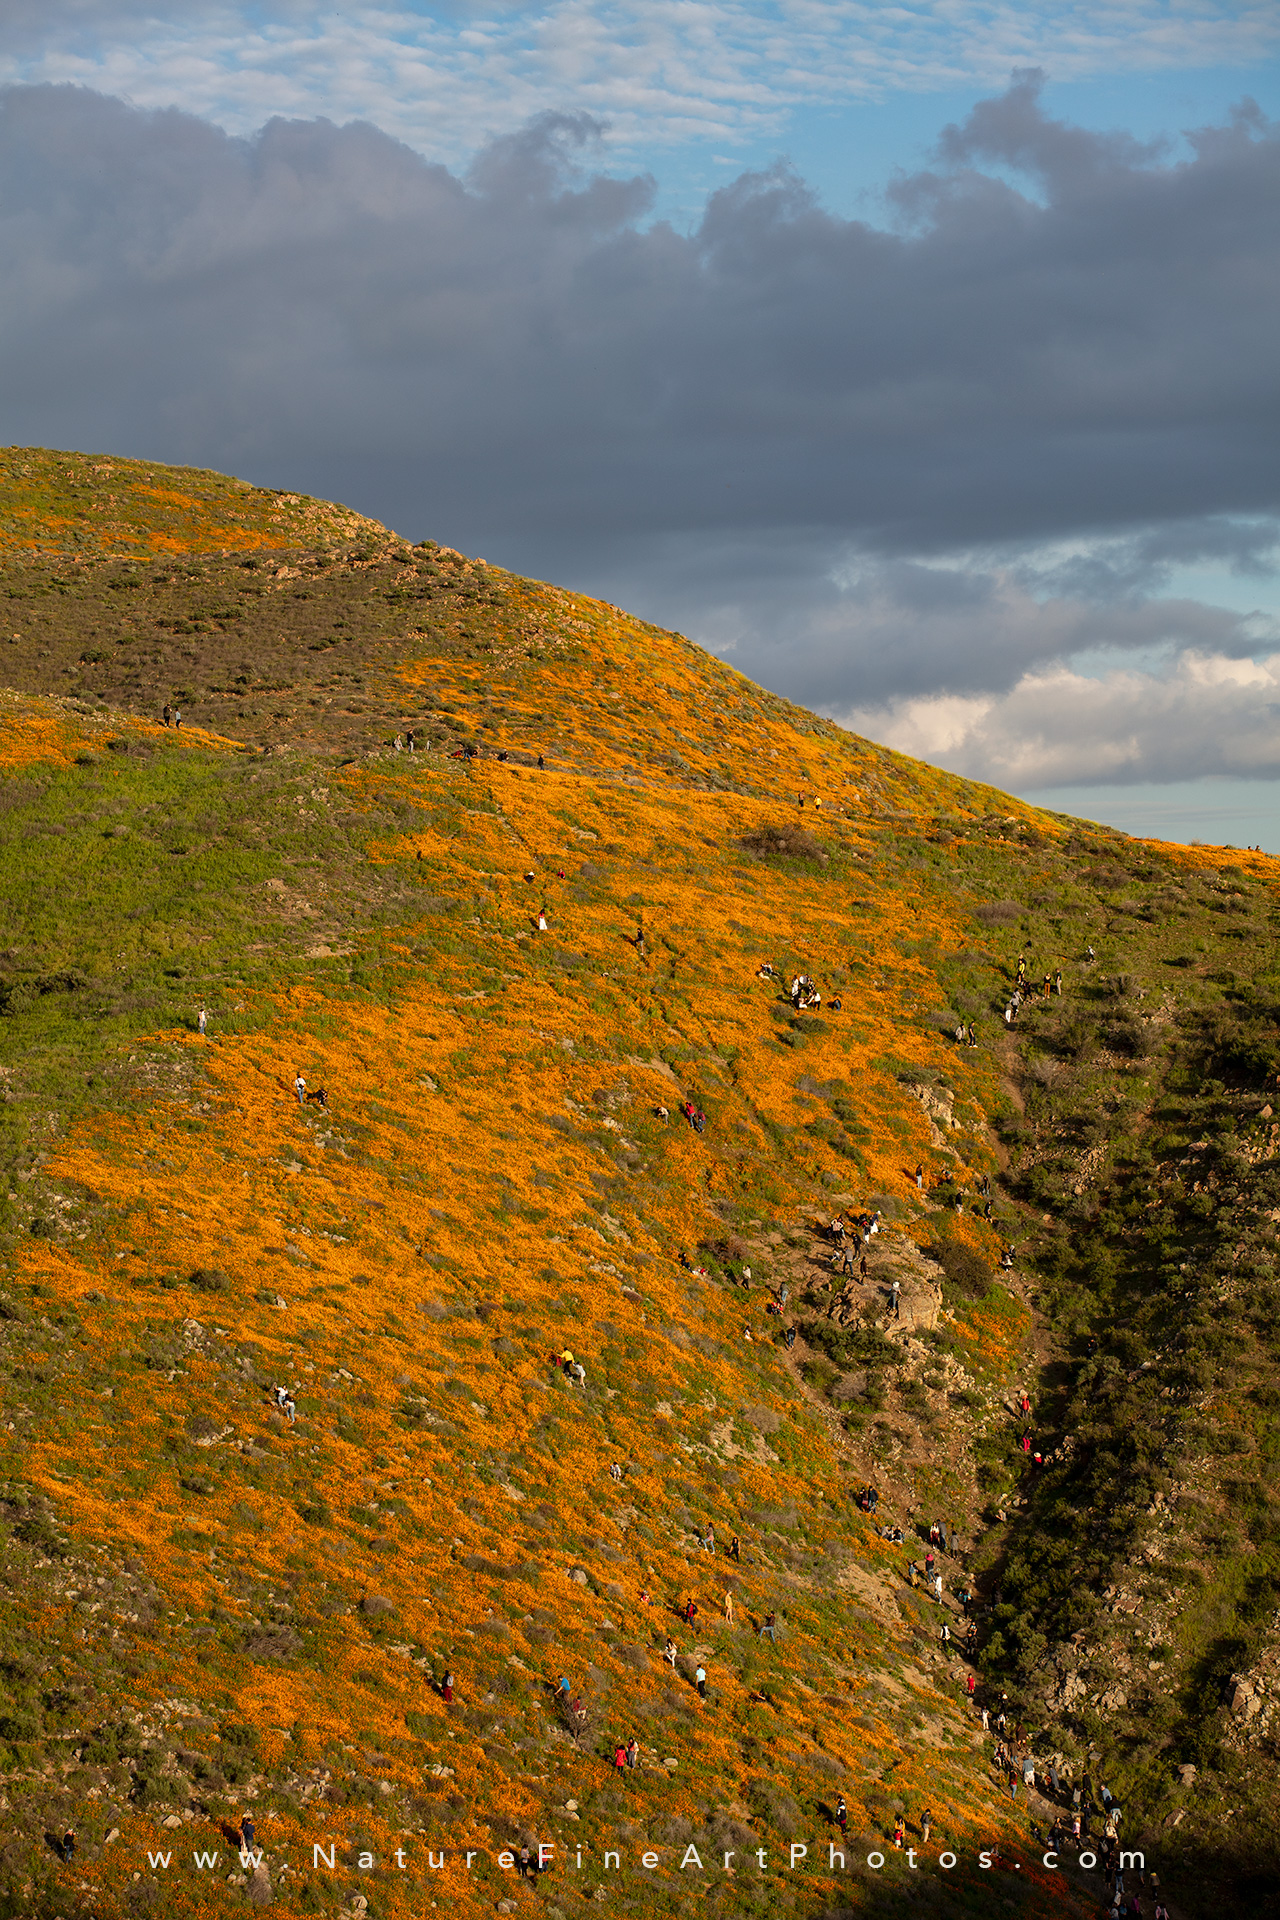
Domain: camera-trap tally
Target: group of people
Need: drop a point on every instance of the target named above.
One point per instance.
(1024, 990)
(571, 1369)
(804, 993)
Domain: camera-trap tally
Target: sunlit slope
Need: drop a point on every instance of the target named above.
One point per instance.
(208, 1607)
(78, 507)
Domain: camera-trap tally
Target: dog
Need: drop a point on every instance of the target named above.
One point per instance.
(319, 1098)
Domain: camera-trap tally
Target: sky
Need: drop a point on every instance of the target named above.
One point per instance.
(919, 359)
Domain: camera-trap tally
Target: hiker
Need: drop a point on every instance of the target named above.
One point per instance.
(579, 1373)
(920, 1177)
(728, 1608)
(735, 1550)
(633, 1751)
(842, 1814)
(619, 1758)
(167, 715)
(789, 1338)
(249, 1831)
(615, 1471)
(945, 1637)
(770, 1627)
(202, 1021)
(398, 744)
(542, 765)
(972, 1036)
(971, 1684)
(986, 1719)
(1026, 1440)
(177, 717)
(523, 1863)
(1057, 982)
(1025, 1402)
(669, 1653)
(899, 1830)
(709, 1539)
(446, 1688)
(930, 1562)
(410, 742)
(926, 1825)
(1048, 986)
(300, 1088)
(895, 1293)
(690, 1611)
(542, 918)
(662, 1115)
(937, 1588)
(700, 1681)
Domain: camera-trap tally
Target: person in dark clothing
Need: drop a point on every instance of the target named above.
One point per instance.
(248, 1829)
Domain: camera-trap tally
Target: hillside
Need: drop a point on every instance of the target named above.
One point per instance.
(212, 1608)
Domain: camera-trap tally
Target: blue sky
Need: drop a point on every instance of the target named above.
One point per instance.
(1069, 586)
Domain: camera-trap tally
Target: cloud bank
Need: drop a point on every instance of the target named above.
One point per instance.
(887, 468)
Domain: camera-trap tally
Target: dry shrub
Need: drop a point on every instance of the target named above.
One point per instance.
(786, 838)
(964, 1268)
(998, 913)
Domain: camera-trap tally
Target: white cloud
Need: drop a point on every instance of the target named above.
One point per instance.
(660, 71)
(1208, 714)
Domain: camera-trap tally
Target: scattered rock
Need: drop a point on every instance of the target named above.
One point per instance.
(374, 1604)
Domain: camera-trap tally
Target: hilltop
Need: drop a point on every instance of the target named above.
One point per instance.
(212, 1607)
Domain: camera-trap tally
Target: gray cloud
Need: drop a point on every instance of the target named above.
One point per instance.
(788, 433)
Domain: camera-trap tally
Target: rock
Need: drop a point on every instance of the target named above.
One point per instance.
(578, 1577)
(1187, 1773)
(1267, 1111)
(671, 1765)
(375, 1604)
(1244, 1701)
(260, 1894)
(173, 1820)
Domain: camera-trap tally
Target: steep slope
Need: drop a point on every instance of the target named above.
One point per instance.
(211, 1607)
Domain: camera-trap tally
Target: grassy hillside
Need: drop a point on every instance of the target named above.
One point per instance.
(211, 1609)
